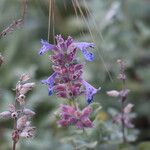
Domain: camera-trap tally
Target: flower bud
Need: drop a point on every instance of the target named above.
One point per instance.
(14, 115)
(21, 122)
(11, 108)
(128, 108)
(28, 112)
(15, 136)
(21, 99)
(5, 114)
(124, 93)
(24, 77)
(26, 87)
(28, 132)
(113, 93)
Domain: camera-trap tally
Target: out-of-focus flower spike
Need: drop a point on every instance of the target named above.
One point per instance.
(89, 91)
(83, 46)
(50, 82)
(46, 47)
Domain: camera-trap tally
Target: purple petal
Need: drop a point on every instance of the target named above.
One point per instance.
(79, 125)
(86, 112)
(83, 46)
(87, 123)
(90, 91)
(46, 47)
(61, 43)
(63, 122)
(69, 41)
(50, 81)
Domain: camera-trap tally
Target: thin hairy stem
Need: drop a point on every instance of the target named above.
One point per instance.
(14, 145)
(15, 23)
(122, 121)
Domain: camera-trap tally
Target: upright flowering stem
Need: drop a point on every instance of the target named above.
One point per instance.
(67, 81)
(122, 77)
(19, 113)
(123, 117)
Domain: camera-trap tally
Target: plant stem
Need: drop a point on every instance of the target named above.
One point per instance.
(14, 145)
(122, 119)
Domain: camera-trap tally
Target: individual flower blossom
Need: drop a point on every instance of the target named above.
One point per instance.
(50, 82)
(72, 116)
(46, 47)
(90, 91)
(83, 46)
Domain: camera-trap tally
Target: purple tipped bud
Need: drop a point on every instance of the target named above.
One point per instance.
(24, 77)
(14, 115)
(21, 99)
(26, 87)
(5, 114)
(21, 122)
(11, 108)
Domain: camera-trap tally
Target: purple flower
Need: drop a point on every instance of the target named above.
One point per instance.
(46, 47)
(50, 82)
(73, 116)
(83, 46)
(125, 118)
(89, 91)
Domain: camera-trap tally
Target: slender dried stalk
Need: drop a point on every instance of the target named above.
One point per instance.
(15, 23)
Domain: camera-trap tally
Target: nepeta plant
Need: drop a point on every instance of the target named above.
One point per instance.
(123, 117)
(19, 113)
(67, 81)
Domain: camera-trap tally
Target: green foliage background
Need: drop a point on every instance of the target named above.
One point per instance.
(125, 34)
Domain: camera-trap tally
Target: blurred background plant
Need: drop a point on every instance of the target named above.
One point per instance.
(120, 29)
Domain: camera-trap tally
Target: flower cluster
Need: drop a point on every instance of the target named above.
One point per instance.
(72, 116)
(67, 81)
(19, 113)
(122, 118)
